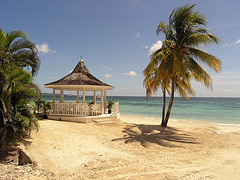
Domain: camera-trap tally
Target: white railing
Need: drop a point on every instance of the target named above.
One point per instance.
(79, 109)
(75, 109)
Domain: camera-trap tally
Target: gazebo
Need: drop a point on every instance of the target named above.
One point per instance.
(80, 79)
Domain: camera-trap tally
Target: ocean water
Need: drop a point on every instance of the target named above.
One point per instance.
(219, 110)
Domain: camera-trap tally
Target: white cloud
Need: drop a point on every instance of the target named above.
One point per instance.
(237, 42)
(107, 68)
(137, 35)
(131, 73)
(228, 45)
(146, 46)
(44, 48)
(155, 47)
(108, 76)
(47, 64)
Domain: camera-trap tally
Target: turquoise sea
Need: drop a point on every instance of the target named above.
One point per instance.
(220, 110)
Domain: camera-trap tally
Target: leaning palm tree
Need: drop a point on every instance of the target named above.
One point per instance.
(16, 48)
(184, 34)
(158, 74)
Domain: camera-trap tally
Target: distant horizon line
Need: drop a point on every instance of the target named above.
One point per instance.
(155, 96)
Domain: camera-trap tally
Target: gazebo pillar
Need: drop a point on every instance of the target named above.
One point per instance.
(53, 95)
(102, 108)
(94, 100)
(61, 96)
(83, 95)
(77, 96)
(105, 100)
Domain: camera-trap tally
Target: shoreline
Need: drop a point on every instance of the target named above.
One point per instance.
(159, 119)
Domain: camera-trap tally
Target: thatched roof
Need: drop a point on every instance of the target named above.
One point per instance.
(79, 76)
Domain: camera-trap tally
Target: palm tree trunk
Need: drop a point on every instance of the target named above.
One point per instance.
(164, 106)
(170, 103)
(4, 146)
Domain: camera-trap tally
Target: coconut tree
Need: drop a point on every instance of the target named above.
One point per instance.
(16, 92)
(184, 34)
(16, 48)
(158, 74)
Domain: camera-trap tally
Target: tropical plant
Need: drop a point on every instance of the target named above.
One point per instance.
(38, 103)
(16, 92)
(46, 107)
(16, 48)
(177, 62)
(110, 104)
(90, 103)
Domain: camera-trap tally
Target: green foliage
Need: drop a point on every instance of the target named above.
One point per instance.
(110, 103)
(38, 103)
(16, 93)
(17, 90)
(90, 103)
(16, 48)
(46, 106)
(177, 62)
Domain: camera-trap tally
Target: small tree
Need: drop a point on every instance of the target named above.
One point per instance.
(46, 107)
(109, 105)
(39, 103)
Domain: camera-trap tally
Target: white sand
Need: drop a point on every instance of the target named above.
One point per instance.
(137, 148)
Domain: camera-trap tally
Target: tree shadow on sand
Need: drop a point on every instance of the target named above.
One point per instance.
(163, 136)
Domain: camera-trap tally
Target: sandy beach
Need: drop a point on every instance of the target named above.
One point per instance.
(133, 148)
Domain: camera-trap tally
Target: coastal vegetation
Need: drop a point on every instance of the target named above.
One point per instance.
(110, 104)
(19, 63)
(179, 60)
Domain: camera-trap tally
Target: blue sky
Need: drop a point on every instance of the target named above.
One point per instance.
(115, 38)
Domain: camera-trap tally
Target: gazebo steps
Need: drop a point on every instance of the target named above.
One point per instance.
(106, 118)
(103, 121)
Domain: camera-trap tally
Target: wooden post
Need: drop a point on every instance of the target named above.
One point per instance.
(53, 95)
(94, 100)
(105, 101)
(83, 95)
(77, 96)
(102, 102)
(61, 96)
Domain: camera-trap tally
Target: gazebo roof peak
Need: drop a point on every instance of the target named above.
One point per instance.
(79, 76)
(81, 68)
(81, 58)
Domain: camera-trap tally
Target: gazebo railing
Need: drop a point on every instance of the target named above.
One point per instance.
(75, 109)
(79, 109)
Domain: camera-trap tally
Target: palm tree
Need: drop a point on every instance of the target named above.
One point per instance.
(15, 47)
(16, 92)
(184, 34)
(158, 74)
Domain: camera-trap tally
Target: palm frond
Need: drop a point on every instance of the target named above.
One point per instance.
(13, 35)
(212, 61)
